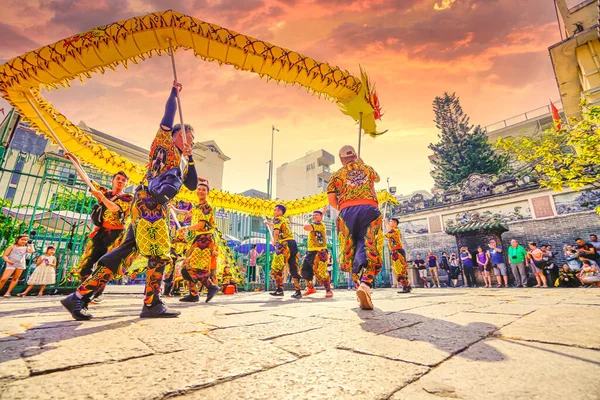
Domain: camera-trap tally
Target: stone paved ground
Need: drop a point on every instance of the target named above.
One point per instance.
(432, 344)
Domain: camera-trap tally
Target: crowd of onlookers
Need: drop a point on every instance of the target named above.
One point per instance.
(531, 266)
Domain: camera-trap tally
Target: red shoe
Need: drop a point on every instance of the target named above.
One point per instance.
(309, 291)
(329, 294)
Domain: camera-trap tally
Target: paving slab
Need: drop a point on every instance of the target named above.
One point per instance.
(561, 373)
(151, 377)
(565, 324)
(333, 374)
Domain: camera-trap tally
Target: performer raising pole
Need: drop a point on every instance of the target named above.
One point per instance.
(109, 216)
(202, 252)
(148, 234)
(351, 190)
(315, 262)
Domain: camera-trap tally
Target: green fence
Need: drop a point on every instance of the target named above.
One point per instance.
(42, 196)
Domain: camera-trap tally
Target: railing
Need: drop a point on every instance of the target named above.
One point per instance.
(529, 115)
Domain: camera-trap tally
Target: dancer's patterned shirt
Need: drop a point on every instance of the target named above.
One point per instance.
(317, 237)
(354, 184)
(283, 225)
(164, 155)
(394, 238)
(119, 218)
(204, 212)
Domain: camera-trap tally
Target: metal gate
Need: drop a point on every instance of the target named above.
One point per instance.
(41, 195)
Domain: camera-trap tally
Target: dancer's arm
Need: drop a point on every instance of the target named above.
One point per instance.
(191, 177)
(110, 205)
(166, 124)
(332, 198)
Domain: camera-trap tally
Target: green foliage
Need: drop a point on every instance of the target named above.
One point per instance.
(68, 199)
(463, 149)
(569, 156)
(9, 227)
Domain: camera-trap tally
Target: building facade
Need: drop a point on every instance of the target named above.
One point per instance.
(576, 58)
(306, 176)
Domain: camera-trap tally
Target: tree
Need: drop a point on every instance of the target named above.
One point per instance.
(569, 156)
(463, 149)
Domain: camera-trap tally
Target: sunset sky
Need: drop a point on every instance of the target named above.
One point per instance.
(493, 53)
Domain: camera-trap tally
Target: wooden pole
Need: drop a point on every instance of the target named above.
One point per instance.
(84, 176)
(172, 54)
(359, 131)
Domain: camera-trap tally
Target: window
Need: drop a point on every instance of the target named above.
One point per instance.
(16, 175)
(320, 184)
(10, 193)
(310, 166)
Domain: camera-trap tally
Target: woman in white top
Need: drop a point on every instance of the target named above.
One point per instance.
(44, 274)
(14, 257)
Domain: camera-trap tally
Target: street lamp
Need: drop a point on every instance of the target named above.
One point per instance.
(269, 193)
(270, 181)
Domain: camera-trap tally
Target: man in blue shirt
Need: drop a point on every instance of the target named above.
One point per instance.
(497, 258)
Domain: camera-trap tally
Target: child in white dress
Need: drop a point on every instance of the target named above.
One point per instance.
(44, 274)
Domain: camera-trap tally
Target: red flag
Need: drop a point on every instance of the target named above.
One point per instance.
(555, 116)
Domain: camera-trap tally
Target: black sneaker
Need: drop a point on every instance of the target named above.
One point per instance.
(159, 310)
(212, 291)
(297, 295)
(278, 292)
(77, 307)
(190, 298)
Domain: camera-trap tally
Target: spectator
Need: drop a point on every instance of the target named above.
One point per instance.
(467, 262)
(44, 273)
(584, 259)
(517, 256)
(537, 263)
(483, 262)
(572, 257)
(497, 260)
(444, 264)
(594, 242)
(433, 265)
(14, 257)
(350, 281)
(590, 274)
(420, 264)
(586, 249)
(454, 269)
(252, 256)
(567, 278)
(551, 268)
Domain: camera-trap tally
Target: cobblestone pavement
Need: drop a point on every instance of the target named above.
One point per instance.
(432, 344)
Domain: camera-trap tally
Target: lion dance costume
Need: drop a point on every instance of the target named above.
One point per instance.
(315, 262)
(398, 256)
(286, 252)
(359, 223)
(148, 234)
(106, 237)
(201, 254)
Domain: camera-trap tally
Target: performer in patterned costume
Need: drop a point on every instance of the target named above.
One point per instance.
(200, 255)
(148, 234)
(286, 252)
(398, 255)
(315, 261)
(179, 245)
(104, 238)
(351, 190)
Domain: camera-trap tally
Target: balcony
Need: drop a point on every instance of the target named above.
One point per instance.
(325, 158)
(324, 172)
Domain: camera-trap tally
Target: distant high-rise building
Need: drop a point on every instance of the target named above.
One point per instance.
(305, 176)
